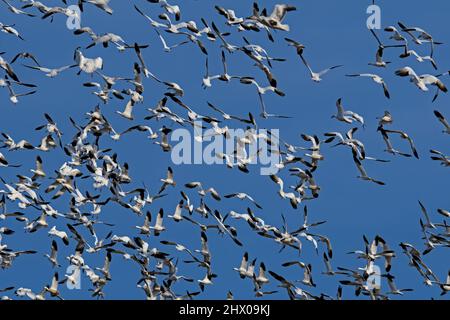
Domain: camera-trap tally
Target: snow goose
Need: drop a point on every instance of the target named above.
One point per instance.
(87, 65)
(243, 196)
(17, 11)
(277, 16)
(394, 290)
(53, 288)
(53, 256)
(317, 76)
(346, 116)
(363, 174)
(60, 234)
(101, 4)
(442, 120)
(439, 156)
(376, 78)
(405, 136)
(158, 227)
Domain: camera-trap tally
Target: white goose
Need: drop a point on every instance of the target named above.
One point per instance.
(317, 76)
(87, 65)
(376, 78)
(442, 120)
(346, 116)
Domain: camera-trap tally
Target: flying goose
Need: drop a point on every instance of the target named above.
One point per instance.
(387, 253)
(346, 116)
(22, 292)
(289, 286)
(390, 149)
(12, 145)
(439, 156)
(13, 97)
(206, 81)
(172, 9)
(379, 62)
(101, 4)
(264, 114)
(293, 199)
(60, 234)
(259, 54)
(229, 14)
(88, 65)
(315, 148)
(6, 290)
(261, 90)
(229, 47)
(275, 19)
(51, 127)
(231, 231)
(202, 192)
(68, 12)
(442, 120)
(444, 212)
(390, 279)
(408, 52)
(165, 145)
(385, 119)
(428, 224)
(53, 288)
(168, 181)
(423, 35)
(36, 4)
(329, 270)
(14, 194)
(166, 47)
(141, 128)
(307, 280)
(242, 196)
(376, 79)
(17, 11)
(178, 247)
(10, 30)
(53, 256)
(5, 82)
(25, 55)
(127, 112)
(153, 23)
(251, 269)
(225, 77)
(445, 287)
(227, 116)
(105, 270)
(177, 216)
(316, 76)
(405, 136)
(261, 279)
(429, 79)
(242, 270)
(297, 45)
(158, 227)
(414, 78)
(4, 162)
(39, 223)
(363, 172)
(207, 280)
(104, 39)
(7, 67)
(397, 36)
(349, 141)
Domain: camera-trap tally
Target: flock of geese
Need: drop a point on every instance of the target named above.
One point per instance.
(30, 199)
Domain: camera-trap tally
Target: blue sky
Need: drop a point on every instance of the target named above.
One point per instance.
(334, 32)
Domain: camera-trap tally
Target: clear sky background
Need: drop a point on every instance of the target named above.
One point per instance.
(334, 32)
